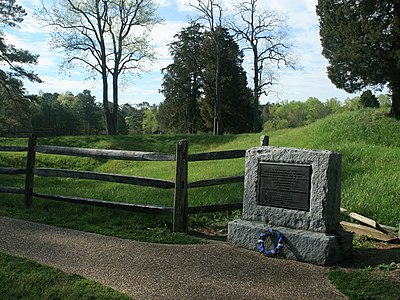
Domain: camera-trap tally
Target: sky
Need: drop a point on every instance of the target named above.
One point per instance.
(308, 80)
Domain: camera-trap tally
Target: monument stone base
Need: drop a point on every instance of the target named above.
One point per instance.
(302, 245)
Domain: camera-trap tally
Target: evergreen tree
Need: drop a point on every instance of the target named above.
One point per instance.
(15, 113)
(367, 99)
(11, 58)
(183, 82)
(235, 96)
(361, 40)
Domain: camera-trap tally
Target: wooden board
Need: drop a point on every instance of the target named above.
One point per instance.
(368, 231)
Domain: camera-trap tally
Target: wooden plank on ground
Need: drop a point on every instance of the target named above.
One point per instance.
(359, 218)
(364, 220)
(368, 231)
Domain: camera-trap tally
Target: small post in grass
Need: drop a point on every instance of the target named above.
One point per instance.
(264, 140)
(30, 164)
(180, 222)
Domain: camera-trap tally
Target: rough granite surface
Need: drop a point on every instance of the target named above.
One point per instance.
(313, 247)
(323, 215)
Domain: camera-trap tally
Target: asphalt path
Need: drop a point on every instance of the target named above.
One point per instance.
(214, 270)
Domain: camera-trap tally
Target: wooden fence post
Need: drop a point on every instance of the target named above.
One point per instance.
(264, 140)
(181, 188)
(30, 164)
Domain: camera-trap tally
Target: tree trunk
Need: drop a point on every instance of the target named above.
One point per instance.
(394, 86)
(395, 110)
(256, 92)
(110, 125)
(115, 102)
(217, 130)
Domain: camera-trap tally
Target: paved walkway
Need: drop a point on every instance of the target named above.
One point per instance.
(153, 271)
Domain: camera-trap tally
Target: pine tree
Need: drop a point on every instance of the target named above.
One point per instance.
(183, 82)
(235, 96)
(361, 40)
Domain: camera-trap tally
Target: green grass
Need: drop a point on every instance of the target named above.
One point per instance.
(371, 272)
(365, 284)
(23, 279)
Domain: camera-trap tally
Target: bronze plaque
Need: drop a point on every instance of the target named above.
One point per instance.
(284, 185)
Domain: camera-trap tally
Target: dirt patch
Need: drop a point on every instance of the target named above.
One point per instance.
(208, 233)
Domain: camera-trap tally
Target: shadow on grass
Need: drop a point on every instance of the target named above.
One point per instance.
(370, 257)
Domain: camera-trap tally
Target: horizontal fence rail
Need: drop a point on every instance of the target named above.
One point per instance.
(12, 171)
(216, 181)
(13, 149)
(229, 154)
(11, 190)
(180, 210)
(106, 154)
(109, 204)
(142, 181)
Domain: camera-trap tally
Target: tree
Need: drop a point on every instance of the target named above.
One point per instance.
(11, 15)
(265, 35)
(13, 98)
(234, 95)
(109, 37)
(367, 99)
(183, 82)
(211, 13)
(149, 124)
(55, 116)
(315, 110)
(384, 101)
(361, 40)
(15, 116)
(133, 118)
(352, 103)
(88, 112)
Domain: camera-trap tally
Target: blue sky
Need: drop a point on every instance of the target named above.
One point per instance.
(309, 81)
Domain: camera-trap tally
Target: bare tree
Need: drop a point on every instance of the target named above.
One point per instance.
(265, 35)
(211, 13)
(109, 37)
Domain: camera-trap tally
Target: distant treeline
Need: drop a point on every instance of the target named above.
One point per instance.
(291, 114)
(67, 114)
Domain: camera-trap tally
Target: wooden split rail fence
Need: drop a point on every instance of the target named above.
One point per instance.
(180, 210)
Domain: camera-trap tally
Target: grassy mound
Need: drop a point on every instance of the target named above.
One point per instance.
(369, 143)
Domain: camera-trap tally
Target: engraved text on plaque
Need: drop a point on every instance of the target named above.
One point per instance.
(284, 185)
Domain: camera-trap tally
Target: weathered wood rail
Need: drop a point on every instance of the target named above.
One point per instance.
(180, 210)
